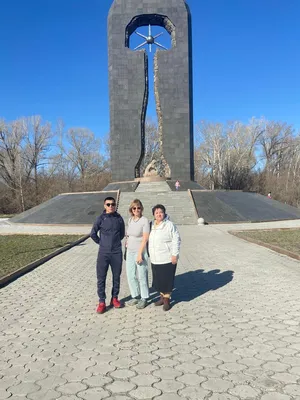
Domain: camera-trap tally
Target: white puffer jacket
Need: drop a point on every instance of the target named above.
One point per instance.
(164, 242)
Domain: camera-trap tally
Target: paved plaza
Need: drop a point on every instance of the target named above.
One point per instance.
(233, 332)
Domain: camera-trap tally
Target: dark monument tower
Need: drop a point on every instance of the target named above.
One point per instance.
(128, 81)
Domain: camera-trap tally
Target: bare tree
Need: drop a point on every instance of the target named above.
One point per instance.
(37, 140)
(275, 142)
(226, 152)
(210, 151)
(240, 159)
(81, 150)
(11, 158)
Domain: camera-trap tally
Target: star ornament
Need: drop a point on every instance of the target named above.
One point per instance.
(150, 40)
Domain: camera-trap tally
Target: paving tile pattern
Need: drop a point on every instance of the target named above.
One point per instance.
(233, 332)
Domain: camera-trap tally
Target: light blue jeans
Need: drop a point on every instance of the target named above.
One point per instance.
(137, 275)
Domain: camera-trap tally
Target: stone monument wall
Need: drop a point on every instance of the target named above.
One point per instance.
(128, 80)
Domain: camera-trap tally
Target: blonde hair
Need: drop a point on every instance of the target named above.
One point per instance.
(135, 203)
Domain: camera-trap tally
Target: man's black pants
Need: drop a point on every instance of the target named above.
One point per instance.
(103, 262)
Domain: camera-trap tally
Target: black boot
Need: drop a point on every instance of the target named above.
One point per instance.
(166, 306)
(160, 302)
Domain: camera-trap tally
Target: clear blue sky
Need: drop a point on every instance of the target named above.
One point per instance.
(246, 60)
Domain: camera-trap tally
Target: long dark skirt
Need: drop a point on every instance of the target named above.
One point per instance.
(163, 277)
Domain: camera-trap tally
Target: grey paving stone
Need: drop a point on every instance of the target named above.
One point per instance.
(145, 368)
(23, 389)
(94, 394)
(166, 362)
(212, 372)
(51, 382)
(145, 392)
(146, 358)
(293, 361)
(7, 381)
(82, 364)
(217, 385)
(286, 377)
(77, 375)
(295, 370)
(120, 397)
(169, 386)
(71, 388)
(58, 370)
(105, 358)
(68, 398)
(122, 374)
(120, 387)
(167, 373)
(228, 357)
(4, 394)
(267, 356)
(14, 371)
(226, 396)
(45, 394)
(191, 379)
(101, 369)
(239, 378)
(245, 392)
(293, 390)
(144, 380)
(188, 367)
(124, 363)
(275, 396)
(31, 376)
(232, 367)
(40, 365)
(193, 393)
(284, 351)
(275, 366)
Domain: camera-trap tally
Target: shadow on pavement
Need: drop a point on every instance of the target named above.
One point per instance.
(193, 284)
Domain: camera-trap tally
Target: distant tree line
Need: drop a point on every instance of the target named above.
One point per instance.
(39, 161)
(260, 156)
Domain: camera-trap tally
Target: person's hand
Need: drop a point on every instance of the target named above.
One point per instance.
(174, 260)
(139, 259)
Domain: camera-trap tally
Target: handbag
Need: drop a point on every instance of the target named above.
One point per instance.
(147, 245)
(125, 253)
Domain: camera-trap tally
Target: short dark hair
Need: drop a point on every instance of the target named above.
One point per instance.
(159, 206)
(109, 198)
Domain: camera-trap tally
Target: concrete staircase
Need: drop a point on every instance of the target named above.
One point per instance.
(154, 187)
(179, 205)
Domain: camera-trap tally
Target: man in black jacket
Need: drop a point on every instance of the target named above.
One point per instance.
(111, 228)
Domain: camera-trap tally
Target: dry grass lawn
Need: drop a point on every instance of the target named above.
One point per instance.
(16, 251)
(287, 239)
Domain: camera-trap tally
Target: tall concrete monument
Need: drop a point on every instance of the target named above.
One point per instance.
(129, 87)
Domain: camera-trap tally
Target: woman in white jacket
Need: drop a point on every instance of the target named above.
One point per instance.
(164, 246)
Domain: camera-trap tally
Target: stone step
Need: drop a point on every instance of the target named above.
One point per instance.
(153, 187)
(179, 205)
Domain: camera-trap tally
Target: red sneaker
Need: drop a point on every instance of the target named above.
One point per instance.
(101, 308)
(116, 303)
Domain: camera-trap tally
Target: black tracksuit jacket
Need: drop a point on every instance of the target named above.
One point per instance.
(111, 229)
